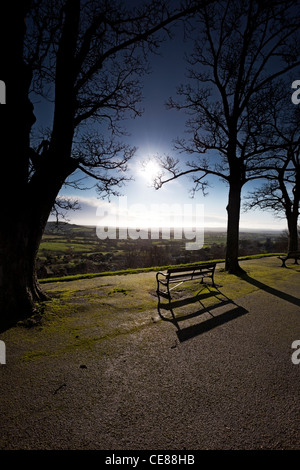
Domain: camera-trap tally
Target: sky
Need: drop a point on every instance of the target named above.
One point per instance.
(154, 133)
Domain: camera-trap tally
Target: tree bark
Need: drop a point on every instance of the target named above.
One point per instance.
(233, 221)
(293, 232)
(19, 287)
(291, 205)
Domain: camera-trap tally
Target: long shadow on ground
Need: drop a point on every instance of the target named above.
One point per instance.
(218, 319)
(271, 290)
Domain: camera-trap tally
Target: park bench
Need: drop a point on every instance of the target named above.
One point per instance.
(291, 255)
(180, 275)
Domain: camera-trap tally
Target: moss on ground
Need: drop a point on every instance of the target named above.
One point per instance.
(83, 313)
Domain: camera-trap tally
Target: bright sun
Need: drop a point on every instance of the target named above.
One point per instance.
(150, 170)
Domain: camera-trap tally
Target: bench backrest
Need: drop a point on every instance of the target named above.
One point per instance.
(293, 253)
(190, 269)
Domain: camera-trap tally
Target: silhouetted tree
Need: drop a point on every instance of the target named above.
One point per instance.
(86, 57)
(281, 193)
(243, 48)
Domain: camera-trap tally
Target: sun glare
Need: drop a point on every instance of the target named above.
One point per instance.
(150, 170)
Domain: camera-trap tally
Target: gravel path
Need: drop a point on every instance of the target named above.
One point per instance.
(225, 381)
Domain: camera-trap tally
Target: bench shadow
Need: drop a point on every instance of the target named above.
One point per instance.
(188, 332)
(195, 330)
(271, 290)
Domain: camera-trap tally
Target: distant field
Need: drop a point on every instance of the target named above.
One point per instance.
(83, 238)
(63, 247)
(80, 239)
(68, 249)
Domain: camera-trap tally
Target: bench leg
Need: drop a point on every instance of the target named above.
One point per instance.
(212, 281)
(159, 293)
(168, 290)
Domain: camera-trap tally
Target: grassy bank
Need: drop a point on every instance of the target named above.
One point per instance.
(144, 270)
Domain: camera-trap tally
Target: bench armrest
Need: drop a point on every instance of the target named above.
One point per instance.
(161, 273)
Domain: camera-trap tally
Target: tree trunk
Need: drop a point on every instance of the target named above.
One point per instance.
(233, 222)
(19, 288)
(293, 232)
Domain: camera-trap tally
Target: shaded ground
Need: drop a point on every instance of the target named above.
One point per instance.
(105, 371)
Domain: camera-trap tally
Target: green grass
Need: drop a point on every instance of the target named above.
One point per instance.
(87, 315)
(118, 290)
(144, 270)
(62, 247)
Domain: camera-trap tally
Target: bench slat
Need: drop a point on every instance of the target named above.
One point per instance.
(190, 276)
(191, 268)
(185, 277)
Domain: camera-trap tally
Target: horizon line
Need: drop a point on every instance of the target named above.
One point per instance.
(157, 227)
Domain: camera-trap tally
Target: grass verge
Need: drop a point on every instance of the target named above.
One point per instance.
(76, 277)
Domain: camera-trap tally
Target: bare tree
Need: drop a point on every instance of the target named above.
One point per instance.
(243, 48)
(87, 58)
(281, 193)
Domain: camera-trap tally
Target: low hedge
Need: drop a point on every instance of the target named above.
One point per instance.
(76, 277)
